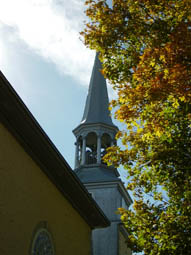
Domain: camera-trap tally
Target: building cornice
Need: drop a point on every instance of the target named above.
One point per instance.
(111, 184)
(95, 126)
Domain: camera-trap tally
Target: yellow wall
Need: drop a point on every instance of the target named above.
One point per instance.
(27, 197)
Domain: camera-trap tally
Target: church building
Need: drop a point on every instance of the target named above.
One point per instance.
(94, 135)
(44, 208)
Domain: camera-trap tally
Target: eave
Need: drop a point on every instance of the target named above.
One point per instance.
(15, 116)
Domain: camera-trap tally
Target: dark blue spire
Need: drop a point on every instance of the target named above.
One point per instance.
(97, 102)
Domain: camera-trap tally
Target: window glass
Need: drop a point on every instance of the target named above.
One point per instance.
(42, 243)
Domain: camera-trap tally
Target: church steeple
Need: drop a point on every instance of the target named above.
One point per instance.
(96, 108)
(96, 131)
(94, 135)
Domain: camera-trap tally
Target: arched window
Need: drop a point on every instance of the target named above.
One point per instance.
(42, 243)
(91, 148)
(105, 143)
(79, 156)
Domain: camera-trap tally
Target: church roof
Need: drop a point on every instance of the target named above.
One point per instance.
(15, 116)
(97, 102)
(88, 174)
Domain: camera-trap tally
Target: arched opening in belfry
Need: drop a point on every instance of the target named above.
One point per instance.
(91, 148)
(105, 143)
(79, 150)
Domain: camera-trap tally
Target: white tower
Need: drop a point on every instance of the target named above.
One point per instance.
(95, 133)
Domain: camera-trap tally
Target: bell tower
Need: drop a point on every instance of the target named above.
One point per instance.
(94, 135)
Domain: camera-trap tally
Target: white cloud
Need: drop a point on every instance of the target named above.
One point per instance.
(50, 28)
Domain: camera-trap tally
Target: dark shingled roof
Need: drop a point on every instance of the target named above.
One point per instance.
(97, 173)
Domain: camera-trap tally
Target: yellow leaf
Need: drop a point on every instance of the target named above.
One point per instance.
(166, 71)
(162, 58)
(152, 63)
(182, 98)
(158, 133)
(175, 104)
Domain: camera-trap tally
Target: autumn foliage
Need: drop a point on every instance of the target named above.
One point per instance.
(145, 47)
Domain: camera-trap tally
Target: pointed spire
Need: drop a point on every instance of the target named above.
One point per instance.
(97, 102)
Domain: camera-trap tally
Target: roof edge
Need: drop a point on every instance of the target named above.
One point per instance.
(97, 124)
(16, 117)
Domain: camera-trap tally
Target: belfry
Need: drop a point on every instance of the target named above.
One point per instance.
(94, 135)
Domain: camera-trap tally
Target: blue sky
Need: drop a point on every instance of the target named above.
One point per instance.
(49, 67)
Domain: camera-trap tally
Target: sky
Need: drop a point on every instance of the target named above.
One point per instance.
(43, 58)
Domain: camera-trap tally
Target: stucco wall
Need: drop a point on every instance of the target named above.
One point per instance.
(27, 197)
(108, 197)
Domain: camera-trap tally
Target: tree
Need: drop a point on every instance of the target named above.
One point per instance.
(145, 47)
